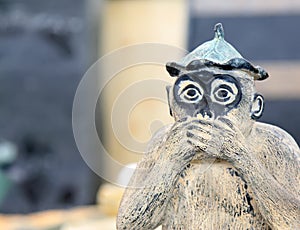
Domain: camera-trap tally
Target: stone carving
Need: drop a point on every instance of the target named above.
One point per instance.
(216, 167)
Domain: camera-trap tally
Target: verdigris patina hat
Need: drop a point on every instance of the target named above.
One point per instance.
(216, 53)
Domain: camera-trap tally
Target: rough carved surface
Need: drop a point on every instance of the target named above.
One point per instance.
(216, 167)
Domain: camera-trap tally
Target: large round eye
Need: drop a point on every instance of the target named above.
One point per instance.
(224, 92)
(190, 92)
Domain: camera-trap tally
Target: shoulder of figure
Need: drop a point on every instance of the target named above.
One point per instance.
(275, 133)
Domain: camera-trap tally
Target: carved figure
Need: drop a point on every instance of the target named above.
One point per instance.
(215, 167)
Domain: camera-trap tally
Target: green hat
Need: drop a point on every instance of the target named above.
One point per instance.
(216, 53)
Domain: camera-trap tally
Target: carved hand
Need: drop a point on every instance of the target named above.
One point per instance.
(175, 149)
(217, 139)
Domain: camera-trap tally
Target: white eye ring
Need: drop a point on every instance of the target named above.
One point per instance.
(223, 92)
(190, 92)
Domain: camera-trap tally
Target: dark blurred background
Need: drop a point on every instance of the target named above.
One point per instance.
(43, 56)
(45, 48)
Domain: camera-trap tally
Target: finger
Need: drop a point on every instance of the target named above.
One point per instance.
(189, 155)
(200, 129)
(199, 135)
(208, 126)
(210, 149)
(203, 122)
(199, 141)
(211, 138)
(228, 123)
(199, 146)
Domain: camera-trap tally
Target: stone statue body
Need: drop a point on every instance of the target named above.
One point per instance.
(216, 167)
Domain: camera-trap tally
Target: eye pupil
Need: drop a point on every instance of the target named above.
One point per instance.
(223, 93)
(191, 95)
(191, 92)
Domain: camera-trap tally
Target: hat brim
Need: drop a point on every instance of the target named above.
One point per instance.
(259, 74)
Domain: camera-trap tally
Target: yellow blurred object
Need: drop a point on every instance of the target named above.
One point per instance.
(129, 22)
(125, 23)
(109, 197)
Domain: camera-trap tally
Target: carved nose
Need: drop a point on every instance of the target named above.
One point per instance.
(207, 114)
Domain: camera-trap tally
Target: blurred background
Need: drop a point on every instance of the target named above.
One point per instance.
(47, 46)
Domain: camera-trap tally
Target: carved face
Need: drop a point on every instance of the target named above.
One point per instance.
(210, 94)
(207, 94)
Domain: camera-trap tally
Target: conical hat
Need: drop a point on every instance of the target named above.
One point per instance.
(216, 53)
(216, 50)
